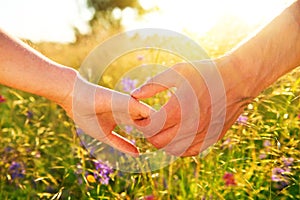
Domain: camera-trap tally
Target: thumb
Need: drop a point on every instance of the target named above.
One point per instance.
(164, 80)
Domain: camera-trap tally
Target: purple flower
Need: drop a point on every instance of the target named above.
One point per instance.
(8, 149)
(29, 114)
(288, 161)
(229, 179)
(128, 129)
(16, 170)
(276, 174)
(78, 172)
(242, 119)
(267, 143)
(279, 177)
(2, 99)
(128, 84)
(103, 171)
(262, 156)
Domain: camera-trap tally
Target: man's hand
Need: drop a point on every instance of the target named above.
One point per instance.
(207, 101)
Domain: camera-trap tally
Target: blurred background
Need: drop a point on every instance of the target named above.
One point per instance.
(43, 158)
(74, 27)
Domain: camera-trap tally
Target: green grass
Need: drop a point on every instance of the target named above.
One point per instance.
(54, 165)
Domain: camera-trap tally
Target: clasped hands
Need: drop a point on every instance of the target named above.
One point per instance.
(182, 127)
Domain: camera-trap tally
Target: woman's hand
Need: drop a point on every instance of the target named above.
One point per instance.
(97, 111)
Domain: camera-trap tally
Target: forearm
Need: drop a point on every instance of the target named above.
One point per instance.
(25, 69)
(271, 53)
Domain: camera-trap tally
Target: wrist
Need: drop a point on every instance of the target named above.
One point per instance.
(238, 83)
(65, 86)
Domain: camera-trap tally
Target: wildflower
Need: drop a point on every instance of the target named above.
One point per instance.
(80, 181)
(128, 84)
(276, 174)
(90, 178)
(36, 154)
(29, 114)
(78, 173)
(229, 179)
(288, 161)
(102, 173)
(149, 197)
(267, 143)
(16, 170)
(8, 149)
(242, 119)
(128, 129)
(262, 156)
(279, 177)
(2, 99)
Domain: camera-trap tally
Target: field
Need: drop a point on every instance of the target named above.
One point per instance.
(259, 158)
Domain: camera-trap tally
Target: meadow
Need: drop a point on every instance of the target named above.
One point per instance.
(259, 158)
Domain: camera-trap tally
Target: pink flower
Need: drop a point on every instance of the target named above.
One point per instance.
(262, 156)
(242, 120)
(288, 161)
(149, 197)
(229, 179)
(267, 143)
(2, 99)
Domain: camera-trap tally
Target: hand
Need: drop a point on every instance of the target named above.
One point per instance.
(97, 111)
(201, 110)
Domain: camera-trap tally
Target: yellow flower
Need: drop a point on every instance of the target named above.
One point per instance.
(90, 178)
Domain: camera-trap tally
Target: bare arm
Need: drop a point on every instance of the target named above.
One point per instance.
(269, 54)
(90, 106)
(26, 69)
(246, 71)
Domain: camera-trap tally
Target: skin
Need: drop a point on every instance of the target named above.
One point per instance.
(97, 110)
(246, 71)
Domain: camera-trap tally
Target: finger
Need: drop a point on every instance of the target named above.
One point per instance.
(166, 117)
(166, 79)
(164, 137)
(139, 110)
(122, 144)
(127, 110)
(113, 139)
